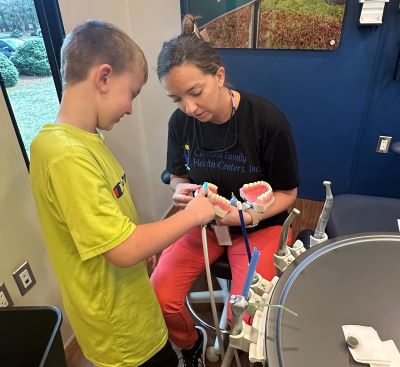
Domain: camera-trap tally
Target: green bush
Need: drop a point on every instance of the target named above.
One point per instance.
(16, 33)
(8, 71)
(31, 58)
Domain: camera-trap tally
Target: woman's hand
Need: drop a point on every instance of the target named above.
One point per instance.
(184, 193)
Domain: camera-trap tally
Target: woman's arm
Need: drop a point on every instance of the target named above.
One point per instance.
(282, 201)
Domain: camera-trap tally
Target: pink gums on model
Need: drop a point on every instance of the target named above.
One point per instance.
(259, 194)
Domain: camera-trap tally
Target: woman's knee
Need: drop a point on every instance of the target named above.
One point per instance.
(170, 301)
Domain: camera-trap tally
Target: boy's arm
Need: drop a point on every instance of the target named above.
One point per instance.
(148, 239)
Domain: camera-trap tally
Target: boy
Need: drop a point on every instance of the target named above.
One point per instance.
(86, 212)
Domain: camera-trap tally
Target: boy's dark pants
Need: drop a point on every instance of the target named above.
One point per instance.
(166, 357)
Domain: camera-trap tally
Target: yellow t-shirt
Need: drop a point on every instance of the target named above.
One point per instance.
(85, 209)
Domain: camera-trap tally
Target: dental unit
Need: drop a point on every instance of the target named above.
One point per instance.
(257, 291)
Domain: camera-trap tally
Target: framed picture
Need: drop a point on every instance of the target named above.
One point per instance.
(272, 24)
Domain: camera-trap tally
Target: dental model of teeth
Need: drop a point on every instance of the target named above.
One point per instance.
(259, 194)
(211, 187)
(221, 205)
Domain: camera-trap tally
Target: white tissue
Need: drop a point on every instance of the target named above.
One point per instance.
(370, 348)
(392, 352)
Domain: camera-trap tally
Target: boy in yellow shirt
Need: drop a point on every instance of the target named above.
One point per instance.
(95, 242)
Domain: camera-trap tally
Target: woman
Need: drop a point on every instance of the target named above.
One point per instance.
(228, 138)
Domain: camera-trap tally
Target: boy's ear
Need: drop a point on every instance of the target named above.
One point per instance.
(102, 77)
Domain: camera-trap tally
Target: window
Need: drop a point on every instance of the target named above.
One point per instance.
(31, 34)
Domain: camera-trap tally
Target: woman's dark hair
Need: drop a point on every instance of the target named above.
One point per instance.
(188, 47)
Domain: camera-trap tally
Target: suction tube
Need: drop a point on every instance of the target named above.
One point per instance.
(210, 289)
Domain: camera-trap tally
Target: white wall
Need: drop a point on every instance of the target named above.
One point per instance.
(21, 237)
(139, 142)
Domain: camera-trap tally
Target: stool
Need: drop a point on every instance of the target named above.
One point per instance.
(361, 213)
(221, 270)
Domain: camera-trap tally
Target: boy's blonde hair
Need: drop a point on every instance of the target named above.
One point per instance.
(94, 43)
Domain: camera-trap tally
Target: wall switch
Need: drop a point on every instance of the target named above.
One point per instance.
(383, 144)
(5, 299)
(24, 278)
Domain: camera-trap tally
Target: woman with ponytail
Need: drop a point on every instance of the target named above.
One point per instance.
(229, 138)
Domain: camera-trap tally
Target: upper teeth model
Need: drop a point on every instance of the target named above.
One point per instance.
(259, 194)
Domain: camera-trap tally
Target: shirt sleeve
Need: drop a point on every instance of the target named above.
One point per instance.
(280, 155)
(84, 201)
(175, 151)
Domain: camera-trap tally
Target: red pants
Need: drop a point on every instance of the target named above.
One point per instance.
(182, 263)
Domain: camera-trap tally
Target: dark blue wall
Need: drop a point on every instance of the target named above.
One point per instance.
(338, 103)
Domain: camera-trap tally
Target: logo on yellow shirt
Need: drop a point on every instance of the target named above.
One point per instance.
(119, 187)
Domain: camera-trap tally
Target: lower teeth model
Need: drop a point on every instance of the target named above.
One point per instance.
(221, 205)
(259, 194)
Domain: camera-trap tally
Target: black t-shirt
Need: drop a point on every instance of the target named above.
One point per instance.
(255, 144)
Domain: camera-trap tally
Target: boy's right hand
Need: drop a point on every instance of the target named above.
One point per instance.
(184, 194)
(201, 209)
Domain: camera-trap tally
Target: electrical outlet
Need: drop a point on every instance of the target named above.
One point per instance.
(5, 299)
(24, 278)
(383, 144)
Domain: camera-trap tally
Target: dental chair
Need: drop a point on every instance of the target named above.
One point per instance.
(361, 213)
(220, 269)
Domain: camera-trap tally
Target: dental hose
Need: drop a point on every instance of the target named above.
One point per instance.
(211, 290)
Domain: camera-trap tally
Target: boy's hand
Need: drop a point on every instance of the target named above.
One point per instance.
(201, 209)
(184, 194)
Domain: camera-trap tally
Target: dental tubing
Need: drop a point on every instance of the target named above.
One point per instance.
(244, 232)
(210, 288)
(250, 273)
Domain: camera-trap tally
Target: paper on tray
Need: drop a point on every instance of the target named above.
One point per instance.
(370, 348)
